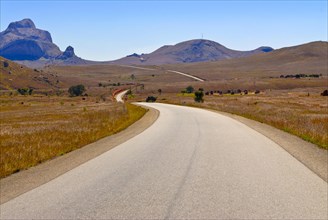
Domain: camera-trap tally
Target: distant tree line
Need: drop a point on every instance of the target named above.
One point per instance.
(298, 76)
(231, 92)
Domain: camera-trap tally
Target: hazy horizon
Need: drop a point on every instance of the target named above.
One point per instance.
(117, 29)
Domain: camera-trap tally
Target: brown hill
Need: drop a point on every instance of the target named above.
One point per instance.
(188, 52)
(14, 76)
(310, 58)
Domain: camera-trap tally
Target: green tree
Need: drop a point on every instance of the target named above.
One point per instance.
(25, 91)
(76, 90)
(199, 96)
(189, 89)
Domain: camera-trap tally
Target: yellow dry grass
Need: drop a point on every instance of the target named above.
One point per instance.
(39, 130)
(292, 111)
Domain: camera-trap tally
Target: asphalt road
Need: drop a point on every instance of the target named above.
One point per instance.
(190, 164)
(119, 96)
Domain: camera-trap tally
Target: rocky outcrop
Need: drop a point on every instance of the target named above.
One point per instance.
(68, 53)
(23, 41)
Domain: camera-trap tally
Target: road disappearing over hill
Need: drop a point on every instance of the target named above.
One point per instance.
(119, 96)
(190, 164)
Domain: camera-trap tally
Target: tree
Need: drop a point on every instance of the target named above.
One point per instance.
(151, 99)
(325, 93)
(132, 76)
(199, 96)
(189, 89)
(76, 90)
(25, 91)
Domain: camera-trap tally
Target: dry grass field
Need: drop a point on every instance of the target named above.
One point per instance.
(13, 76)
(303, 113)
(37, 128)
(49, 123)
(112, 74)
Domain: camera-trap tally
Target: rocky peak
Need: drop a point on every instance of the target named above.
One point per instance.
(68, 53)
(23, 41)
(25, 23)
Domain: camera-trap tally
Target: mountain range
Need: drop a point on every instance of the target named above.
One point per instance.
(26, 44)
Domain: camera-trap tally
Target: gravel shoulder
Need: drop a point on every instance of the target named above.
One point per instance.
(313, 157)
(24, 181)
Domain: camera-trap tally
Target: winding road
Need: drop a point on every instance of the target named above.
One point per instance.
(119, 96)
(190, 164)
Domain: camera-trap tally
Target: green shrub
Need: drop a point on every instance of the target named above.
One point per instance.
(25, 91)
(151, 99)
(189, 89)
(199, 96)
(76, 90)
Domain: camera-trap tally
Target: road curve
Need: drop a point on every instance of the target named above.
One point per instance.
(190, 164)
(119, 96)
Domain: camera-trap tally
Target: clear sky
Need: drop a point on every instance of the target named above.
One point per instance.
(107, 30)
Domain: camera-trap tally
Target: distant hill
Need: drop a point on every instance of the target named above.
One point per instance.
(14, 76)
(189, 52)
(310, 58)
(25, 43)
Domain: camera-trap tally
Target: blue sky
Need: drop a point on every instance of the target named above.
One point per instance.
(107, 30)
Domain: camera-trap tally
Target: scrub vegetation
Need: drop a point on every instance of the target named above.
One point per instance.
(38, 128)
(298, 112)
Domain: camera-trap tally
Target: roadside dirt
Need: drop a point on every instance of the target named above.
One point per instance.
(24, 181)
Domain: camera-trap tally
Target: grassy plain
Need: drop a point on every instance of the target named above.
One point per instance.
(38, 128)
(283, 103)
(303, 113)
